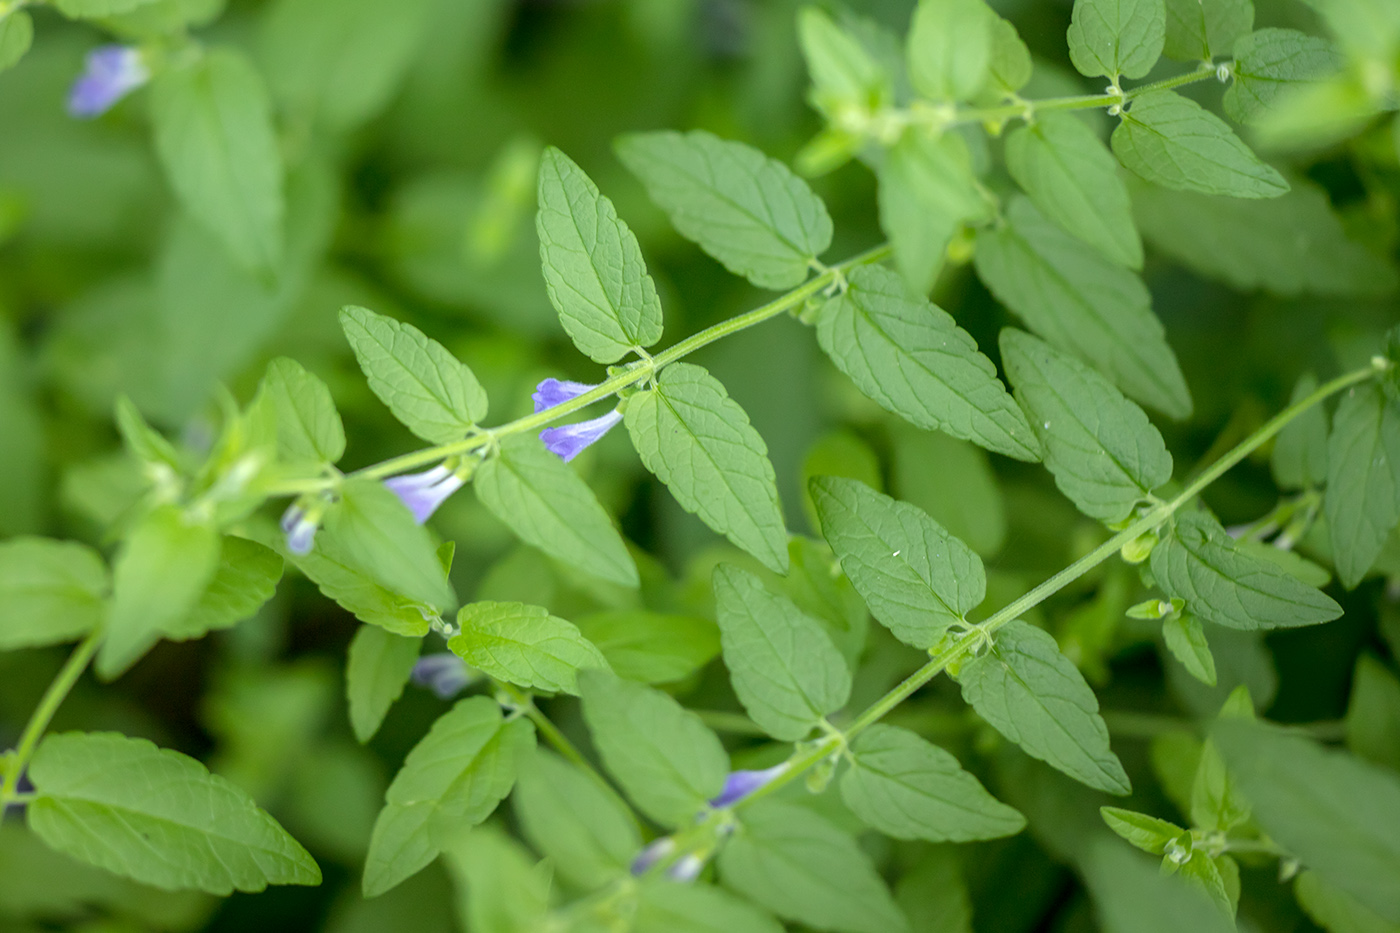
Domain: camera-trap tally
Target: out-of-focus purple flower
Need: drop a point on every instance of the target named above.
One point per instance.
(300, 529)
(443, 673)
(569, 440)
(652, 854)
(687, 868)
(553, 392)
(424, 492)
(740, 784)
(112, 72)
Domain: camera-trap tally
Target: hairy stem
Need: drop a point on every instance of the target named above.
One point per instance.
(1027, 110)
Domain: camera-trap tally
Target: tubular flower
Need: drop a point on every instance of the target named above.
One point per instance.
(651, 855)
(424, 492)
(443, 673)
(300, 528)
(687, 868)
(740, 784)
(112, 72)
(568, 441)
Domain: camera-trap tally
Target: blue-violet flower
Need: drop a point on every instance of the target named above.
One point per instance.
(687, 868)
(651, 855)
(740, 784)
(424, 492)
(568, 441)
(112, 72)
(443, 673)
(300, 528)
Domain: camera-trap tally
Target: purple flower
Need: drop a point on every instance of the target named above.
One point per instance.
(686, 868)
(568, 441)
(740, 784)
(424, 492)
(652, 854)
(112, 72)
(553, 392)
(300, 529)
(443, 673)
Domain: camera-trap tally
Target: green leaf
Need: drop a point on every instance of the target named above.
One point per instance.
(950, 48)
(1035, 696)
(667, 907)
(1186, 640)
(507, 892)
(376, 670)
(927, 190)
(953, 482)
(909, 355)
(1363, 479)
(339, 62)
(157, 816)
(664, 757)
(372, 532)
(1373, 713)
(1299, 457)
(1200, 563)
(215, 136)
(698, 441)
(746, 210)
(1104, 453)
(92, 9)
(451, 781)
(159, 574)
(1333, 909)
(1116, 38)
(1083, 304)
(650, 647)
(245, 578)
(523, 645)
(329, 567)
(844, 75)
(50, 592)
(575, 821)
(784, 667)
(593, 267)
(790, 860)
(1011, 67)
(1145, 832)
(933, 894)
(1271, 62)
(1199, 30)
(428, 389)
(1338, 815)
(550, 507)
(16, 36)
(308, 426)
(917, 579)
(908, 788)
(1286, 245)
(1172, 141)
(1130, 893)
(1073, 178)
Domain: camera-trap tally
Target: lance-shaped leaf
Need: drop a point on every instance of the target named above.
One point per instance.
(451, 780)
(1083, 304)
(790, 860)
(698, 441)
(1186, 640)
(550, 507)
(331, 569)
(16, 36)
(844, 73)
(1200, 563)
(157, 816)
(746, 210)
(909, 355)
(215, 135)
(916, 578)
(1073, 178)
(1116, 38)
(308, 426)
(784, 667)
(1363, 479)
(1199, 30)
(523, 645)
(1373, 713)
(159, 574)
(1299, 458)
(1338, 815)
(593, 266)
(570, 817)
(372, 532)
(667, 907)
(1333, 909)
(666, 759)
(1147, 833)
(432, 392)
(50, 592)
(1035, 696)
(1104, 453)
(1172, 141)
(1271, 62)
(245, 577)
(950, 48)
(507, 890)
(911, 789)
(376, 670)
(651, 647)
(1011, 66)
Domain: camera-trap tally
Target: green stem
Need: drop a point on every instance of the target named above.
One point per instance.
(1028, 109)
(635, 374)
(810, 754)
(43, 714)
